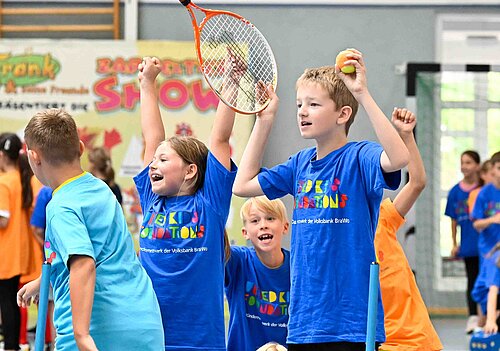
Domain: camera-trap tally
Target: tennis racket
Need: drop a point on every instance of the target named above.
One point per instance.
(234, 57)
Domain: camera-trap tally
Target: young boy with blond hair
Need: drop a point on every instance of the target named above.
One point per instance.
(337, 187)
(100, 289)
(257, 278)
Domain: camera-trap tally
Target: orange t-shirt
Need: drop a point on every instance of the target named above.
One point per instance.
(36, 259)
(16, 240)
(407, 323)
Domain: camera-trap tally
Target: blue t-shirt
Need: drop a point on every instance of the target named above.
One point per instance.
(488, 276)
(457, 207)
(84, 218)
(487, 205)
(336, 206)
(38, 218)
(258, 299)
(182, 248)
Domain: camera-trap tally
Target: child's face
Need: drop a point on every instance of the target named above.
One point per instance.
(468, 166)
(489, 175)
(316, 112)
(496, 174)
(167, 172)
(264, 230)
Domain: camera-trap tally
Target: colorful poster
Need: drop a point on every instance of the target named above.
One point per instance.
(96, 82)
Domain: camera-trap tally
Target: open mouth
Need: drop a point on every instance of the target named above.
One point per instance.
(265, 237)
(156, 177)
(304, 123)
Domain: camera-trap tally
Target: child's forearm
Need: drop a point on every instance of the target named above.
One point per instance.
(396, 153)
(411, 191)
(151, 123)
(454, 232)
(491, 304)
(246, 182)
(221, 133)
(81, 284)
(482, 224)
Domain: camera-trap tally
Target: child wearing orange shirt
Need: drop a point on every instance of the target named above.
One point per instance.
(407, 323)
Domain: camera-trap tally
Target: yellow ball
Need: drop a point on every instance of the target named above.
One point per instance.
(340, 61)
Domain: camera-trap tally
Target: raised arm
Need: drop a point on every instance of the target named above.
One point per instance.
(224, 117)
(395, 155)
(153, 130)
(405, 121)
(246, 183)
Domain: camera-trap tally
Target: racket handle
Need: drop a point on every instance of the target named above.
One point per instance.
(371, 325)
(185, 2)
(43, 302)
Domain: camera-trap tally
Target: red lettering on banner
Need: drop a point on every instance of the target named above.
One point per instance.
(110, 98)
(203, 99)
(131, 96)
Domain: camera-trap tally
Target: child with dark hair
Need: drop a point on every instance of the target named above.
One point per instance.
(16, 241)
(457, 208)
(101, 167)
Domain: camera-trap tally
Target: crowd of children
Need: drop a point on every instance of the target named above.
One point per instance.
(474, 207)
(171, 295)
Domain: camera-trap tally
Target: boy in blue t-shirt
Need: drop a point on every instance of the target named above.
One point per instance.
(486, 211)
(485, 290)
(337, 188)
(100, 288)
(257, 279)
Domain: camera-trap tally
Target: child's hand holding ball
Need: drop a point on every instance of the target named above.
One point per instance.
(340, 62)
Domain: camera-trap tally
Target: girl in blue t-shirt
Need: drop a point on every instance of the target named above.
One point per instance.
(258, 278)
(457, 209)
(185, 194)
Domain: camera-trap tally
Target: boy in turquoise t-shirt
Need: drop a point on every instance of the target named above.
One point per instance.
(100, 289)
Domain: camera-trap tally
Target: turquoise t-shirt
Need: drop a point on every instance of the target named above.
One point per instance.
(84, 218)
(336, 207)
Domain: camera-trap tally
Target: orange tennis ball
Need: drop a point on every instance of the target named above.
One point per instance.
(340, 61)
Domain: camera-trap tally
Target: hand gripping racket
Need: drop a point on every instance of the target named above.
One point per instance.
(234, 57)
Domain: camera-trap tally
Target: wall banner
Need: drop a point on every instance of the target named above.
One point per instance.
(96, 82)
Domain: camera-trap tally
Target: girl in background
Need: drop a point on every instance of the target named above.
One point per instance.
(16, 238)
(100, 167)
(457, 208)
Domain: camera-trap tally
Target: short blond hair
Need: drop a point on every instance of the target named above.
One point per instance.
(274, 207)
(326, 77)
(54, 134)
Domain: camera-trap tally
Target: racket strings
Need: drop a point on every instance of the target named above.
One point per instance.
(222, 36)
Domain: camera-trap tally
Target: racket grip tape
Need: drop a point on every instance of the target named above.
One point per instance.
(371, 325)
(185, 2)
(43, 302)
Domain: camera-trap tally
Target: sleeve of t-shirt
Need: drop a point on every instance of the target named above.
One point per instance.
(70, 235)
(389, 218)
(233, 266)
(38, 218)
(218, 184)
(144, 189)
(478, 212)
(373, 176)
(4, 201)
(451, 204)
(278, 181)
